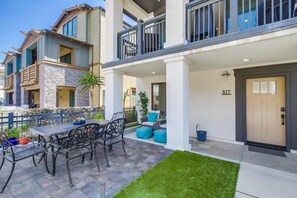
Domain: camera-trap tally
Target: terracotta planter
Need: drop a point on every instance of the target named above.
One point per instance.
(24, 140)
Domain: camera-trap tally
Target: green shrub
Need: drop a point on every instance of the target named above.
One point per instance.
(24, 127)
(99, 116)
(14, 132)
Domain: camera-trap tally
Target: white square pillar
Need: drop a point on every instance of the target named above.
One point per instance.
(114, 24)
(113, 92)
(175, 23)
(177, 78)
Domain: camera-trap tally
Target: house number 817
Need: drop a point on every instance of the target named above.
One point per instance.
(226, 92)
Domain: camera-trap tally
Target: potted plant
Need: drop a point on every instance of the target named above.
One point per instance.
(24, 140)
(13, 135)
(143, 105)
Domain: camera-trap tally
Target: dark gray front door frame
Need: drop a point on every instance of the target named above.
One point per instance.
(241, 75)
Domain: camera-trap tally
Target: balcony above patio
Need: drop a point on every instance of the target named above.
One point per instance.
(8, 82)
(202, 24)
(144, 38)
(30, 75)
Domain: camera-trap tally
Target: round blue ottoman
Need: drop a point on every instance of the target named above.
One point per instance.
(144, 132)
(160, 136)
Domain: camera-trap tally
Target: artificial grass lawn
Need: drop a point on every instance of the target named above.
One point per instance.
(185, 174)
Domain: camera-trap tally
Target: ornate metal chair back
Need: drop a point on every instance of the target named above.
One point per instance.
(118, 115)
(5, 144)
(71, 117)
(48, 120)
(115, 128)
(82, 136)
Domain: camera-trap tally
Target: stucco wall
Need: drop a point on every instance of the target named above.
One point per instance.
(213, 112)
(63, 76)
(145, 84)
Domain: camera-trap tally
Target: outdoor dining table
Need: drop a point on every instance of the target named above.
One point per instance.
(60, 129)
(45, 132)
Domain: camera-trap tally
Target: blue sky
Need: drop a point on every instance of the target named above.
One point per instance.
(16, 15)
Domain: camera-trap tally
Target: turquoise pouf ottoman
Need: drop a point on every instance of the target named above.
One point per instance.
(160, 136)
(144, 132)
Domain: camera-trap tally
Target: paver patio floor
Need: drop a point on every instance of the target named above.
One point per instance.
(29, 181)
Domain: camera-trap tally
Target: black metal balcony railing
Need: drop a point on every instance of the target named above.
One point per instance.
(144, 38)
(207, 19)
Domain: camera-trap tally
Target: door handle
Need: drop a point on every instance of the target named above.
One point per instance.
(283, 119)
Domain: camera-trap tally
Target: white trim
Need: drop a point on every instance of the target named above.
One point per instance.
(179, 149)
(223, 140)
(293, 151)
(113, 71)
(216, 157)
(178, 58)
(143, 140)
(178, 42)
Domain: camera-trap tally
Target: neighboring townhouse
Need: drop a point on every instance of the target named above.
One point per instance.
(87, 24)
(229, 66)
(2, 92)
(12, 78)
(51, 65)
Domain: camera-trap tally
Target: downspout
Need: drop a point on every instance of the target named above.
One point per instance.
(87, 38)
(99, 55)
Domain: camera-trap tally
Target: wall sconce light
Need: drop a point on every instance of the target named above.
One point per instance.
(225, 75)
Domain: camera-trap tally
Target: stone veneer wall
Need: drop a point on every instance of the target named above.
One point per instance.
(24, 96)
(51, 76)
(17, 89)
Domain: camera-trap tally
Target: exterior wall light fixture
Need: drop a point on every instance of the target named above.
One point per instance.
(225, 75)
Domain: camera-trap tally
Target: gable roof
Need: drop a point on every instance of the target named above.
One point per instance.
(73, 10)
(9, 56)
(34, 34)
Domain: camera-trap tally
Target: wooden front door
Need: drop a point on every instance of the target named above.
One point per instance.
(266, 110)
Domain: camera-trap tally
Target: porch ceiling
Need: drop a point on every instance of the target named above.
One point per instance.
(259, 52)
(262, 50)
(150, 6)
(145, 69)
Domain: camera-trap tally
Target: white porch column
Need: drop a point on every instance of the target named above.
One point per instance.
(175, 23)
(113, 92)
(114, 24)
(177, 78)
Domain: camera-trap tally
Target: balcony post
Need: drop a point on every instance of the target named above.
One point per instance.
(176, 23)
(114, 24)
(177, 76)
(139, 39)
(233, 16)
(114, 92)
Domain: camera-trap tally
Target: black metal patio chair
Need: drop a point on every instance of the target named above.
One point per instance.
(118, 115)
(113, 133)
(79, 142)
(14, 154)
(71, 117)
(48, 120)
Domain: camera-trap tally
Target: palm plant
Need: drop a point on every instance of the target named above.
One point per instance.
(89, 81)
